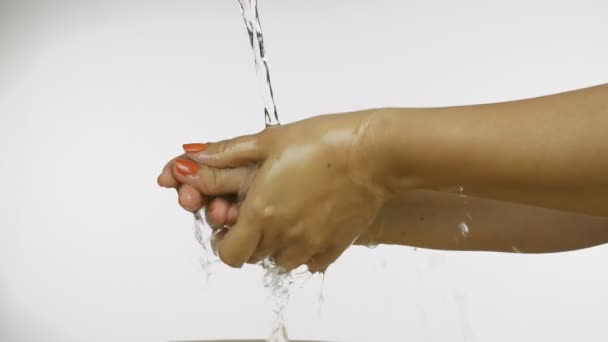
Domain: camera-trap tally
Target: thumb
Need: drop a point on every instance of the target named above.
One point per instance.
(240, 241)
(239, 151)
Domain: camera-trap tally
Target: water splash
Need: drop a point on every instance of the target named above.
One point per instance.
(275, 278)
(278, 281)
(204, 236)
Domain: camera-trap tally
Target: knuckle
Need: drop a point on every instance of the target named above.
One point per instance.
(224, 146)
(262, 211)
(214, 178)
(268, 212)
(267, 134)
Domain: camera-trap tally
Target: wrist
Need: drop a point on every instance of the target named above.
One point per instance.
(402, 149)
(382, 151)
(364, 167)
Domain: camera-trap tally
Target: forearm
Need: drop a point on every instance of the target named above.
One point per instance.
(550, 151)
(431, 219)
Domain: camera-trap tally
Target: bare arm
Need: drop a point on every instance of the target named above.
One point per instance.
(321, 181)
(549, 151)
(432, 219)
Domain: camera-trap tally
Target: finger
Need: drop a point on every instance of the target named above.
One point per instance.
(166, 178)
(293, 257)
(320, 262)
(217, 212)
(233, 213)
(242, 239)
(212, 181)
(190, 198)
(240, 151)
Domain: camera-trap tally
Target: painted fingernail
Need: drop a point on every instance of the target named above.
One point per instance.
(186, 167)
(193, 148)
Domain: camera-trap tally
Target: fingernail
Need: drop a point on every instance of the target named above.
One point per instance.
(193, 148)
(186, 167)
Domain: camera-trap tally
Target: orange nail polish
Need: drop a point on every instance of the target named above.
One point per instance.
(186, 167)
(193, 148)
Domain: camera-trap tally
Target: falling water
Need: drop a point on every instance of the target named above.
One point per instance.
(275, 278)
(249, 9)
(204, 236)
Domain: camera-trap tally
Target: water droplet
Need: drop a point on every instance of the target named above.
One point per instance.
(372, 245)
(464, 230)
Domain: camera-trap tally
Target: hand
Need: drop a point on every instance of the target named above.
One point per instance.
(194, 184)
(306, 201)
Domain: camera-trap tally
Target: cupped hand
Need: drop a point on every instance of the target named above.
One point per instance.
(305, 199)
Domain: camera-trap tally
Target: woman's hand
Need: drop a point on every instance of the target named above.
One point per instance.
(305, 195)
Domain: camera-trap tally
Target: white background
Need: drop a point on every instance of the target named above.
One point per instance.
(95, 96)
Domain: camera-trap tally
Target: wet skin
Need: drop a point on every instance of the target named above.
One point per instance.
(314, 187)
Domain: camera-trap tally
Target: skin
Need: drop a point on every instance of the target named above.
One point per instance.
(430, 219)
(533, 173)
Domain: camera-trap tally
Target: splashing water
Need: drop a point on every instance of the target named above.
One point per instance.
(278, 281)
(204, 236)
(275, 278)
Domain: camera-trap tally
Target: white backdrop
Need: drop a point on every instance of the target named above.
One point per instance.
(96, 95)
